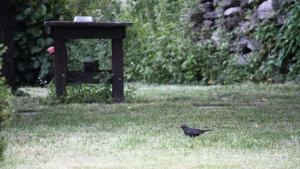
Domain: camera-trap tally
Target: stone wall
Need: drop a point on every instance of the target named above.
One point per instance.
(238, 17)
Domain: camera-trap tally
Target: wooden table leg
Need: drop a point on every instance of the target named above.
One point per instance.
(117, 70)
(60, 66)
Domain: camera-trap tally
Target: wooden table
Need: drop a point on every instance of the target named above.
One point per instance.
(63, 30)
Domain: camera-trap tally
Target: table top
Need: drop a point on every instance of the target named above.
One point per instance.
(87, 24)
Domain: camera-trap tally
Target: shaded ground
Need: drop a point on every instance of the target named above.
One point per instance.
(256, 126)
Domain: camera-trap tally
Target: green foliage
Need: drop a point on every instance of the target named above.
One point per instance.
(288, 43)
(79, 50)
(32, 38)
(158, 49)
(267, 34)
(236, 73)
(161, 48)
(2, 148)
(86, 94)
(5, 111)
(280, 47)
(2, 49)
(81, 94)
(99, 49)
(101, 10)
(5, 98)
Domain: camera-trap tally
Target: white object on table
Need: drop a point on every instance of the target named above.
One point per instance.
(83, 19)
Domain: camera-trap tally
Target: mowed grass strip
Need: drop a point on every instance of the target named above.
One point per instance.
(255, 126)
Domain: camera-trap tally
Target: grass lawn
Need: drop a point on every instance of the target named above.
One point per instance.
(255, 126)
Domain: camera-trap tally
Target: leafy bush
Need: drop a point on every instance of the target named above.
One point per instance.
(86, 94)
(157, 45)
(5, 100)
(5, 108)
(161, 47)
(280, 47)
(32, 38)
(2, 148)
(288, 44)
(5, 111)
(81, 94)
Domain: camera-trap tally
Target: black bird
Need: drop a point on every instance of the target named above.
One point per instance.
(191, 131)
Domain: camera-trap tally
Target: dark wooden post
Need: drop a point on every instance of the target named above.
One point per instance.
(117, 70)
(60, 66)
(6, 33)
(90, 66)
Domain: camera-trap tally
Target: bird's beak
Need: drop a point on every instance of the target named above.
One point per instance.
(179, 126)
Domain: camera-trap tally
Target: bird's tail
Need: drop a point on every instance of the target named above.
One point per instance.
(207, 130)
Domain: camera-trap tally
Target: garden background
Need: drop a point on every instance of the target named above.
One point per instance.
(229, 65)
(206, 42)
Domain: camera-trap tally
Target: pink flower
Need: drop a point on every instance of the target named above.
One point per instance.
(51, 50)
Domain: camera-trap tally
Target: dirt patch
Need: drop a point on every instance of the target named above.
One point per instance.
(27, 113)
(250, 105)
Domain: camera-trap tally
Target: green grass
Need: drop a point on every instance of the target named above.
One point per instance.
(255, 126)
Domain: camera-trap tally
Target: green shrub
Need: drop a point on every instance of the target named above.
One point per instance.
(32, 38)
(5, 104)
(5, 97)
(2, 148)
(81, 94)
(84, 93)
(158, 46)
(5, 110)
(280, 47)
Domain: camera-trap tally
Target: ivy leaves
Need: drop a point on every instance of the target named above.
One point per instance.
(32, 37)
(281, 46)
